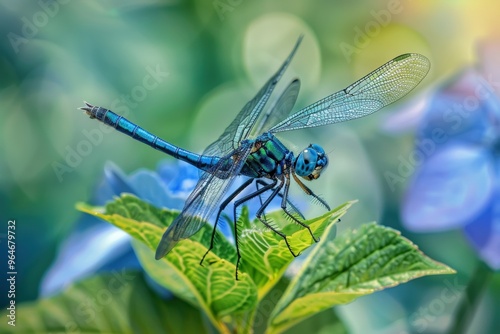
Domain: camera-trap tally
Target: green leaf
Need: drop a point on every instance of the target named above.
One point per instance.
(265, 255)
(353, 265)
(211, 287)
(322, 323)
(112, 303)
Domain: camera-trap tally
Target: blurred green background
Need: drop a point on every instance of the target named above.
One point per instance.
(209, 58)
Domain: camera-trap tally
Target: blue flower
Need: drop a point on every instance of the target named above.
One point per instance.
(457, 180)
(96, 246)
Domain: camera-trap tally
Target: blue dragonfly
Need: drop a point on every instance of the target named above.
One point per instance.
(248, 147)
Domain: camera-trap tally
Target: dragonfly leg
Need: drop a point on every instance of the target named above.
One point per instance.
(310, 192)
(221, 208)
(261, 210)
(264, 206)
(262, 183)
(238, 203)
(284, 207)
(294, 208)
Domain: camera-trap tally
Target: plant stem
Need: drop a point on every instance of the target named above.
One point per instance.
(470, 300)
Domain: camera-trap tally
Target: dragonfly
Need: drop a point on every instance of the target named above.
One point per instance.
(248, 147)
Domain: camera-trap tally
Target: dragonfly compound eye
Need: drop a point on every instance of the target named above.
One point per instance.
(311, 162)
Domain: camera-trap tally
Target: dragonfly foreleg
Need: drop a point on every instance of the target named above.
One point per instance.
(310, 192)
(284, 207)
(221, 208)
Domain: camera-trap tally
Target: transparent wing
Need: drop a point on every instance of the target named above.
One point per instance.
(214, 183)
(241, 126)
(204, 199)
(386, 84)
(280, 110)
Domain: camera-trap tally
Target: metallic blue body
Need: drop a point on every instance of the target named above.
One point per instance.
(267, 159)
(127, 127)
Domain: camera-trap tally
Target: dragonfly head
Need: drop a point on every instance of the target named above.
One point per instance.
(310, 162)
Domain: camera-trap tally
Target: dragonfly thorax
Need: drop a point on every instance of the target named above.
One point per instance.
(310, 162)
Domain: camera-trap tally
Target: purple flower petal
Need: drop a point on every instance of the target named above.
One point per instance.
(181, 178)
(116, 180)
(150, 187)
(464, 111)
(164, 189)
(450, 189)
(484, 232)
(84, 253)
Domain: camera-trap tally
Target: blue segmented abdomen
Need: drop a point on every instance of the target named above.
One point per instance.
(133, 130)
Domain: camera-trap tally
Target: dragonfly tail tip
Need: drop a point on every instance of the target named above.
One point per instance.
(88, 107)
